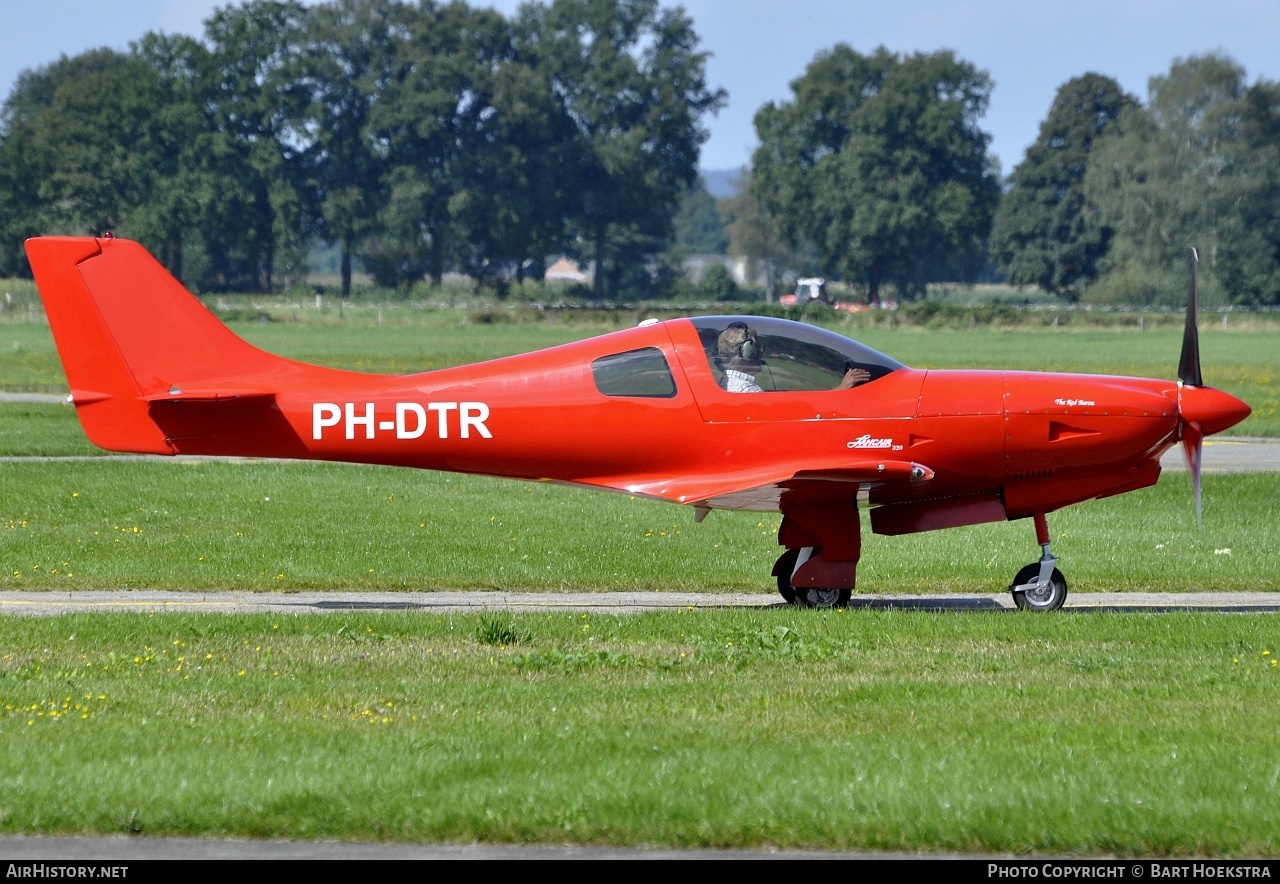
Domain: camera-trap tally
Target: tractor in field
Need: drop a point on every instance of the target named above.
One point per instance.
(808, 290)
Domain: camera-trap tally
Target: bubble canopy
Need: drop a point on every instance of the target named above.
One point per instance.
(793, 355)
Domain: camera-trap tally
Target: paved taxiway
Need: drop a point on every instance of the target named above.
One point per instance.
(1230, 454)
(45, 604)
(94, 850)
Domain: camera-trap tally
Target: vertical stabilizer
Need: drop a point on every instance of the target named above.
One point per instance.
(128, 332)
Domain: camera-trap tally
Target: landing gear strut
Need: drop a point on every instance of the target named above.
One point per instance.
(1040, 586)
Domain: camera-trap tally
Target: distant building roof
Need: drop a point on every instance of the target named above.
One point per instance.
(565, 270)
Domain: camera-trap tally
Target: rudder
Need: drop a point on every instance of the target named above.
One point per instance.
(128, 333)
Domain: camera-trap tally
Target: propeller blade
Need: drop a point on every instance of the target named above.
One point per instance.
(1192, 447)
(1189, 364)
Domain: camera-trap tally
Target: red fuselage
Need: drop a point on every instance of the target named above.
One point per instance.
(1026, 441)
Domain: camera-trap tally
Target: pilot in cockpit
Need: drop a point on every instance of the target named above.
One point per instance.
(740, 357)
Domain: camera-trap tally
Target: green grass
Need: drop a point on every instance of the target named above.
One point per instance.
(28, 359)
(1087, 734)
(281, 526)
(39, 429)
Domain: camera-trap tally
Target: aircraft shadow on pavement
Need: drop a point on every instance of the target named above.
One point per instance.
(987, 604)
(916, 603)
(1171, 609)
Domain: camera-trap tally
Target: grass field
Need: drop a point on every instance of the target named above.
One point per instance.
(279, 526)
(1079, 733)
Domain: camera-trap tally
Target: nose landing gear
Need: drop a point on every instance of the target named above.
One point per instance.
(1040, 586)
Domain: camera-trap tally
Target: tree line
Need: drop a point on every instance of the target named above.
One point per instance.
(1114, 193)
(420, 138)
(878, 168)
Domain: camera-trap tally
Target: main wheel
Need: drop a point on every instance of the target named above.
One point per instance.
(1048, 599)
(807, 597)
(784, 566)
(820, 597)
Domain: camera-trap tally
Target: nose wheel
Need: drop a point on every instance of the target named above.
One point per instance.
(1031, 594)
(1040, 586)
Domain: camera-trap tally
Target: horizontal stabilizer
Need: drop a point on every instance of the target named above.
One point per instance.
(223, 395)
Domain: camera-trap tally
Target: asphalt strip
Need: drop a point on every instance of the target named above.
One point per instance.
(53, 603)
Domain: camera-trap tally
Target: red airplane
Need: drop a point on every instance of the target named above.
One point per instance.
(824, 426)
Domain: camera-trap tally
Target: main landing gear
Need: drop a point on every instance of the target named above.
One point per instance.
(806, 597)
(1039, 586)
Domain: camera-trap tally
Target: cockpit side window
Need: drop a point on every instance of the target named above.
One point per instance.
(643, 372)
(790, 356)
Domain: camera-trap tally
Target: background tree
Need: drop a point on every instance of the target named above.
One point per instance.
(878, 162)
(698, 227)
(76, 132)
(179, 182)
(430, 124)
(347, 61)
(104, 141)
(27, 156)
(417, 138)
(256, 108)
(517, 193)
(630, 78)
(1194, 168)
(717, 285)
(18, 193)
(754, 235)
(1044, 232)
(1250, 269)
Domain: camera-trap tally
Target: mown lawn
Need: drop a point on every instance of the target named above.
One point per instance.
(105, 524)
(1082, 734)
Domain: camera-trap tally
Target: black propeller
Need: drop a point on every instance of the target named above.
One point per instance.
(1190, 432)
(1189, 365)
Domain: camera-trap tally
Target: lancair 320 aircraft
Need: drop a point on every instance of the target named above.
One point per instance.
(716, 412)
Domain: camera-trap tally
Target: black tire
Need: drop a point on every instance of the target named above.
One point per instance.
(809, 597)
(1050, 599)
(784, 566)
(816, 597)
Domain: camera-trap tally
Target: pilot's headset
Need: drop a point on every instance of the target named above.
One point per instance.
(749, 349)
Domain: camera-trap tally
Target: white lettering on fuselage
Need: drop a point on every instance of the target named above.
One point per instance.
(1074, 402)
(865, 441)
(410, 422)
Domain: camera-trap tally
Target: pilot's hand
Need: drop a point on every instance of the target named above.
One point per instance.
(853, 377)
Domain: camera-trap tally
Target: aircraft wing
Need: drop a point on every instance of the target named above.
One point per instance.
(761, 488)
